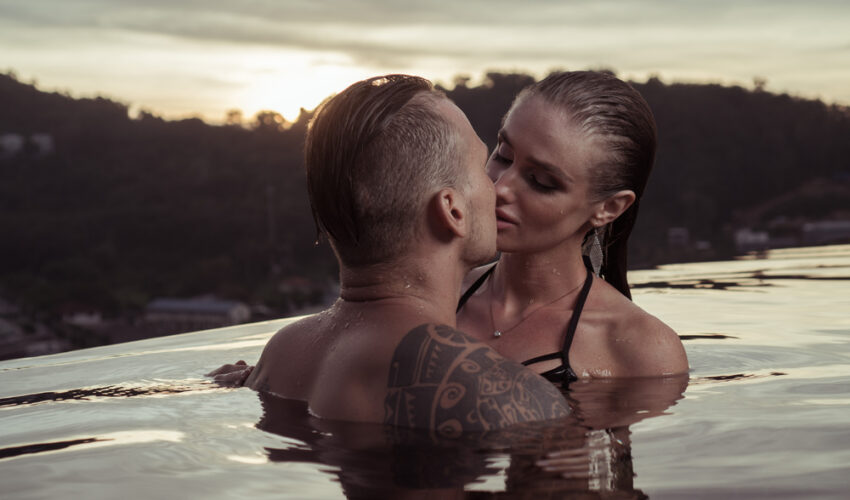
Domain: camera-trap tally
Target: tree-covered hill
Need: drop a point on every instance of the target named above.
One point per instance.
(112, 211)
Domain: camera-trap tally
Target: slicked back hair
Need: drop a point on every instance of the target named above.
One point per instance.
(613, 113)
(374, 153)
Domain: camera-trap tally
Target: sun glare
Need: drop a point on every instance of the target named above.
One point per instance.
(285, 83)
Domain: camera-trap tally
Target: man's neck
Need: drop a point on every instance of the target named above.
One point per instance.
(428, 290)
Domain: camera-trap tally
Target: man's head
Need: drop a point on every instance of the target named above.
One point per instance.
(375, 154)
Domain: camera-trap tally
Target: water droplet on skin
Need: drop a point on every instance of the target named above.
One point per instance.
(407, 285)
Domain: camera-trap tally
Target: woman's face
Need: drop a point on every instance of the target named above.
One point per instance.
(541, 169)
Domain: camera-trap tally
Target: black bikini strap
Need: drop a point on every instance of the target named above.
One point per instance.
(573, 324)
(475, 286)
(545, 357)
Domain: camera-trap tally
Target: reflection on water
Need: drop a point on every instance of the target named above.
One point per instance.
(90, 393)
(737, 376)
(14, 451)
(745, 280)
(763, 414)
(712, 336)
(93, 394)
(588, 452)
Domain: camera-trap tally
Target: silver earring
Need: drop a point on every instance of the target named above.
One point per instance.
(595, 254)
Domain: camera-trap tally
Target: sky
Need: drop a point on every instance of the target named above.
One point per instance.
(202, 58)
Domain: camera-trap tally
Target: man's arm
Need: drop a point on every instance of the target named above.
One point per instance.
(442, 379)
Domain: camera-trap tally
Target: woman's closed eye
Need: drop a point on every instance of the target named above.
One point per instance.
(503, 153)
(541, 183)
(499, 158)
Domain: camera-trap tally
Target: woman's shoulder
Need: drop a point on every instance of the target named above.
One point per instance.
(642, 344)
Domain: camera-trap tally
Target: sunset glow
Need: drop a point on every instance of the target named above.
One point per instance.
(176, 59)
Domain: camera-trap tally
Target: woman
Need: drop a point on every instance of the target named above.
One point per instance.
(572, 160)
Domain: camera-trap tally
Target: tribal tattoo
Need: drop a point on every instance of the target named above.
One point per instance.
(442, 379)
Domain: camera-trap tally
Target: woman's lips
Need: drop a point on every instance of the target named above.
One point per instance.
(504, 220)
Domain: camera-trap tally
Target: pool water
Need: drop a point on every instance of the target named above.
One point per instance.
(765, 412)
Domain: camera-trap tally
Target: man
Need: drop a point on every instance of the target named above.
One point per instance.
(396, 179)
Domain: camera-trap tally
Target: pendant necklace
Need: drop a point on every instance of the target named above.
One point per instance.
(498, 333)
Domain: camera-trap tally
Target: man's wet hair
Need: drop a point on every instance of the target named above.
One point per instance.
(374, 154)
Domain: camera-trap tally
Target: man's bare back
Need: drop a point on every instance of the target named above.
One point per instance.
(379, 367)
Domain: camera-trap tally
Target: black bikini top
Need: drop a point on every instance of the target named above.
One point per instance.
(563, 374)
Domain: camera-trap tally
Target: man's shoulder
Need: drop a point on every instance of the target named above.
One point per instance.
(278, 354)
(443, 379)
(298, 327)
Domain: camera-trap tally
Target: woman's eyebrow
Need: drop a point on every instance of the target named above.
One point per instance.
(545, 166)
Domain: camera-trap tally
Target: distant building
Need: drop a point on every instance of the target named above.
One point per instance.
(826, 232)
(83, 318)
(11, 144)
(43, 143)
(174, 315)
(747, 240)
(80, 314)
(678, 236)
(20, 338)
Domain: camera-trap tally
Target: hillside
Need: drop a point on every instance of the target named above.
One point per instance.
(109, 211)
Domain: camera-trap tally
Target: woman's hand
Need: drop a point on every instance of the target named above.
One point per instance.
(231, 375)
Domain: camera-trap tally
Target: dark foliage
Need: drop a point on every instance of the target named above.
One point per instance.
(124, 209)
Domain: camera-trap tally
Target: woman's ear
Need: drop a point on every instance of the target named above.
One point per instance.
(612, 207)
(447, 215)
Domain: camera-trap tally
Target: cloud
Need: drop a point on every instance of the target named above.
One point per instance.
(388, 31)
(685, 37)
(236, 21)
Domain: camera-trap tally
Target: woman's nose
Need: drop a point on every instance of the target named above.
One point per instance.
(502, 180)
(493, 171)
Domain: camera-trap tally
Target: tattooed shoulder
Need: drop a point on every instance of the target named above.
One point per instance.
(442, 379)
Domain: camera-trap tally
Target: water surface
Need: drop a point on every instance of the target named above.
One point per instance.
(765, 412)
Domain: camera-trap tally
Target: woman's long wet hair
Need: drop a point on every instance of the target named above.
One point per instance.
(612, 112)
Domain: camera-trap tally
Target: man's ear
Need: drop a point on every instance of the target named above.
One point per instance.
(612, 207)
(447, 214)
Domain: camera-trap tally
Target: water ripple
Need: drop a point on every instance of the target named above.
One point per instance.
(93, 393)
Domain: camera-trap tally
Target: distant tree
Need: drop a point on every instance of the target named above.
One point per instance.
(145, 115)
(233, 117)
(267, 120)
(461, 81)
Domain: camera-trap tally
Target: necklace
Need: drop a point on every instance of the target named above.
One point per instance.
(498, 333)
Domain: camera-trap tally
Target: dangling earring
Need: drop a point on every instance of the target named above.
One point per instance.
(596, 255)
